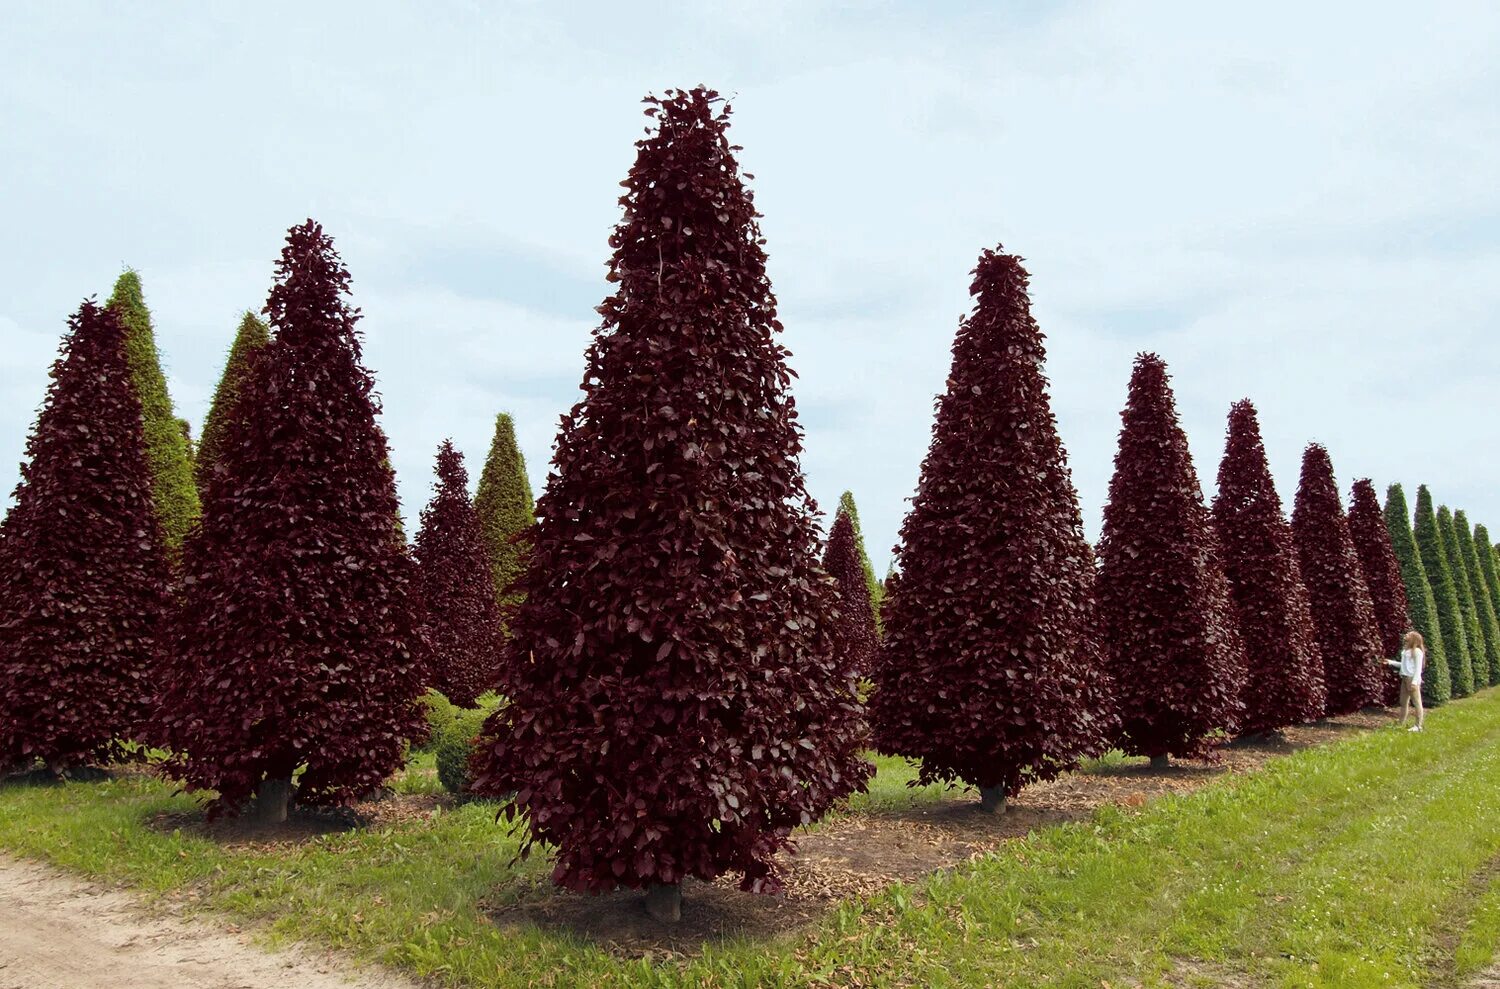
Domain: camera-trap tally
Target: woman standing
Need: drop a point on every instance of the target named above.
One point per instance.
(1413, 655)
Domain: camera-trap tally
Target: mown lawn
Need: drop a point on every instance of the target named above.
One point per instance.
(1363, 863)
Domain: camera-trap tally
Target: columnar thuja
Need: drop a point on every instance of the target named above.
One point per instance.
(877, 591)
(1343, 617)
(1260, 563)
(297, 643)
(677, 702)
(1382, 572)
(82, 563)
(463, 618)
(1487, 672)
(1456, 644)
(248, 339)
(1420, 600)
(1485, 558)
(1168, 626)
(855, 626)
(505, 506)
(1479, 663)
(990, 672)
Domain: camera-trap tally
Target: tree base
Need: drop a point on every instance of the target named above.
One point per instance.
(992, 799)
(1161, 762)
(664, 902)
(268, 809)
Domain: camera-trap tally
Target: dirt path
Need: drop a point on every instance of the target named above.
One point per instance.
(59, 933)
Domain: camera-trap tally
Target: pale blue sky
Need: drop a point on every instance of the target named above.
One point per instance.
(1292, 202)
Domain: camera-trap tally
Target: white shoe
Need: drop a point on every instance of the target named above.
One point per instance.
(1415, 728)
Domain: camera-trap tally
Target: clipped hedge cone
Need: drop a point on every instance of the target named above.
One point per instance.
(1421, 604)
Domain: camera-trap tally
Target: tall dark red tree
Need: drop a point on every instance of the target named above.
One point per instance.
(1382, 572)
(677, 703)
(1168, 626)
(297, 645)
(1284, 683)
(458, 587)
(855, 628)
(82, 563)
(990, 672)
(1343, 615)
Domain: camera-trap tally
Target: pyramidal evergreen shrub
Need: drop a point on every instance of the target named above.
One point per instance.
(251, 336)
(1343, 615)
(1285, 683)
(1169, 630)
(82, 562)
(1382, 572)
(505, 508)
(1421, 604)
(1485, 559)
(1486, 671)
(167, 452)
(297, 646)
(463, 617)
(876, 590)
(856, 622)
(1451, 620)
(1479, 662)
(677, 703)
(991, 672)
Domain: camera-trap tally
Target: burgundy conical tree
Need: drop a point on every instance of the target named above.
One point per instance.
(855, 627)
(677, 703)
(990, 672)
(1168, 625)
(458, 588)
(1343, 615)
(1284, 682)
(82, 563)
(297, 644)
(1382, 572)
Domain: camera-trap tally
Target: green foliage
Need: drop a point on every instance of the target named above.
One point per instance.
(167, 447)
(877, 590)
(455, 745)
(251, 336)
(1489, 568)
(1486, 672)
(1421, 605)
(1478, 665)
(505, 505)
(440, 712)
(1444, 595)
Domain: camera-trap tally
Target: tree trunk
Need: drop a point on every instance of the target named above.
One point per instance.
(1160, 762)
(664, 902)
(992, 799)
(268, 809)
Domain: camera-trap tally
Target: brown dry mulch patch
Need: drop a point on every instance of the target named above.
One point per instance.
(861, 854)
(306, 824)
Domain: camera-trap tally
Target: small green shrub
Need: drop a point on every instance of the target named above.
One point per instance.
(440, 712)
(456, 744)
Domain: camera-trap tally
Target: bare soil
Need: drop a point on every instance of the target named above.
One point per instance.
(59, 933)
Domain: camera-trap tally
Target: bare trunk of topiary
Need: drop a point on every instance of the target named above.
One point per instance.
(268, 809)
(664, 902)
(992, 799)
(1160, 762)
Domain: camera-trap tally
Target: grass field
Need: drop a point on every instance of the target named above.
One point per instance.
(1363, 863)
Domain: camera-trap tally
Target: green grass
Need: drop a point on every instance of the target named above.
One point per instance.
(1361, 864)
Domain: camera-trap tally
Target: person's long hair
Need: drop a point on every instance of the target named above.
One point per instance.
(1413, 640)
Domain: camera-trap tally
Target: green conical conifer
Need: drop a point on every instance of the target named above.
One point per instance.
(1444, 594)
(505, 505)
(1422, 607)
(1484, 554)
(1488, 671)
(877, 591)
(173, 491)
(1479, 663)
(251, 336)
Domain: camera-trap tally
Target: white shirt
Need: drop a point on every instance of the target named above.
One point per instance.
(1411, 664)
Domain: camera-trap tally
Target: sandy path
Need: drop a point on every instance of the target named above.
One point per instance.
(59, 933)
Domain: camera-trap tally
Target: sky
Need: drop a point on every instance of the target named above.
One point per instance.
(1296, 203)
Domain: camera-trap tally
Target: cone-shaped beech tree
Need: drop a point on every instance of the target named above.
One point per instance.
(855, 628)
(82, 563)
(1479, 663)
(1486, 672)
(991, 672)
(1285, 672)
(297, 643)
(173, 492)
(877, 591)
(1168, 627)
(1421, 605)
(505, 507)
(1343, 616)
(1445, 594)
(463, 618)
(677, 702)
(251, 336)
(1382, 572)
